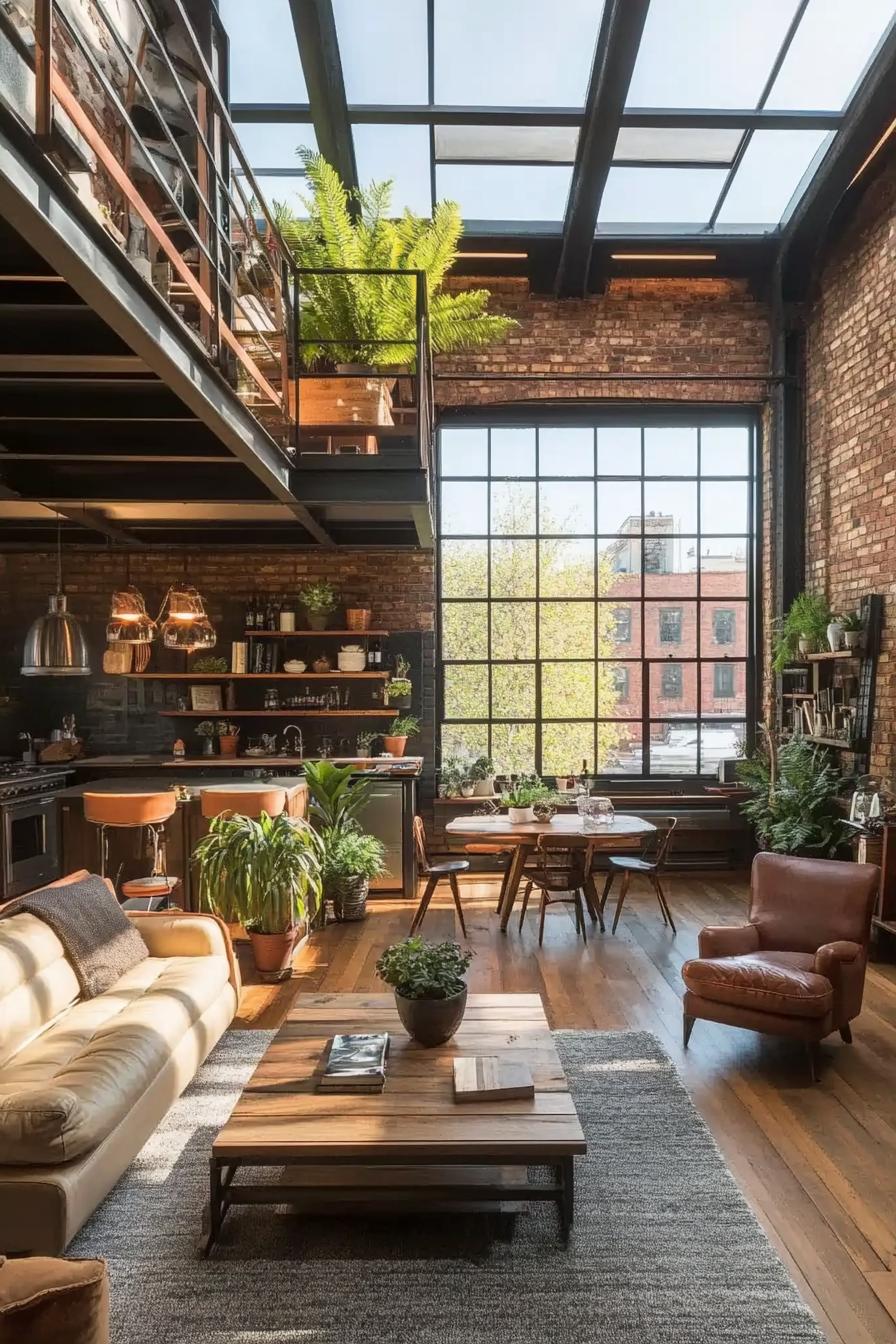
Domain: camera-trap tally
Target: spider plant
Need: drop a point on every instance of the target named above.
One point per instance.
(264, 873)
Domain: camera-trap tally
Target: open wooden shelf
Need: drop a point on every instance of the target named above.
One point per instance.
(832, 742)
(315, 634)
(278, 713)
(256, 676)
(832, 657)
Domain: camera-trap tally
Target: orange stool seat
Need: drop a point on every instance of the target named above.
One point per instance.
(250, 802)
(159, 885)
(129, 809)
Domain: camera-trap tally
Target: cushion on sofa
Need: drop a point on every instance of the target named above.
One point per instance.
(49, 1301)
(66, 1090)
(770, 982)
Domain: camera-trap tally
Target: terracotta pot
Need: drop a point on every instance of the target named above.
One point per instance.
(228, 743)
(318, 620)
(357, 618)
(431, 1021)
(394, 745)
(273, 951)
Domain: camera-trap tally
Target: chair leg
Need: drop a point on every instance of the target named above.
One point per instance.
(846, 1034)
(503, 888)
(606, 891)
(423, 906)
(455, 892)
(812, 1058)
(526, 894)
(623, 892)
(544, 910)
(687, 1026)
(661, 895)
(580, 914)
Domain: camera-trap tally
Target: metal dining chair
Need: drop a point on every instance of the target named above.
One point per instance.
(650, 864)
(434, 872)
(559, 873)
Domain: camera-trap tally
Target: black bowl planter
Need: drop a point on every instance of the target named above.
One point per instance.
(400, 701)
(349, 897)
(431, 1021)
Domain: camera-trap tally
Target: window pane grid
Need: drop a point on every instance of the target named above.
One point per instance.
(560, 597)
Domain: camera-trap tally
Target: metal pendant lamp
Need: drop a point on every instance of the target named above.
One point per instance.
(55, 645)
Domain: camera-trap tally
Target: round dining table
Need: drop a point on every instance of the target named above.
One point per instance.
(521, 838)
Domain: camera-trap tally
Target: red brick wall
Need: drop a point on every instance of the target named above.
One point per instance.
(851, 431)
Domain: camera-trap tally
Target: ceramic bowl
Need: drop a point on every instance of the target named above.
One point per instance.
(293, 665)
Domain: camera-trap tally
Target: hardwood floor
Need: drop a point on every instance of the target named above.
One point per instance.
(818, 1164)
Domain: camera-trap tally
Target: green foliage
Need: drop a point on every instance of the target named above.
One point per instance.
(482, 768)
(794, 804)
(334, 803)
(398, 688)
(207, 664)
(357, 310)
(350, 853)
(807, 618)
(455, 771)
(265, 873)
(417, 969)
(406, 725)
(852, 620)
(320, 597)
(225, 729)
(364, 741)
(528, 789)
(206, 728)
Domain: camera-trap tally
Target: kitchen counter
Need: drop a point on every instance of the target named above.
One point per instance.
(400, 766)
(161, 783)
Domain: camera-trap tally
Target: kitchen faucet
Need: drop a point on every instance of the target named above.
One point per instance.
(298, 744)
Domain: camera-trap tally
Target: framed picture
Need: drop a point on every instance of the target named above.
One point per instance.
(206, 698)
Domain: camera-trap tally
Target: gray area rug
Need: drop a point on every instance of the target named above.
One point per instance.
(665, 1249)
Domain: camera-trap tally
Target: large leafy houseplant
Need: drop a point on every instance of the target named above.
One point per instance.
(807, 618)
(335, 802)
(264, 874)
(429, 985)
(794, 807)
(351, 859)
(371, 319)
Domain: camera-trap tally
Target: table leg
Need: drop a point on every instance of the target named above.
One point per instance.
(215, 1204)
(514, 875)
(593, 899)
(566, 1198)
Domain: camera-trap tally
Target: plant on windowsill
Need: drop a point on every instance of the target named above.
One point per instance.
(794, 808)
(521, 797)
(264, 874)
(430, 989)
(320, 600)
(351, 859)
(482, 772)
(400, 688)
(803, 630)
(405, 726)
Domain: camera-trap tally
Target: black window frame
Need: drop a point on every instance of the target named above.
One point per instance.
(744, 589)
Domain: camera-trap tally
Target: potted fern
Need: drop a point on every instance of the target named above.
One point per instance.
(264, 874)
(396, 740)
(803, 630)
(795, 788)
(367, 322)
(351, 859)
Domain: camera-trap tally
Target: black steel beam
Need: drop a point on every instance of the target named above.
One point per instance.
(315, 26)
(619, 38)
(867, 117)
(96, 521)
(399, 486)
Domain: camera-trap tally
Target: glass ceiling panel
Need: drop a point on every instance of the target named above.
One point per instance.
(400, 153)
(768, 176)
(384, 49)
(708, 53)
(512, 192)
(264, 57)
(831, 47)
(554, 144)
(514, 53)
(274, 144)
(660, 196)
(694, 144)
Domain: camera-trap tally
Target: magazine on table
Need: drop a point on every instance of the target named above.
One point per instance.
(356, 1063)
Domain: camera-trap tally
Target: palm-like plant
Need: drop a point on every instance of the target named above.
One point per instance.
(334, 802)
(356, 312)
(264, 873)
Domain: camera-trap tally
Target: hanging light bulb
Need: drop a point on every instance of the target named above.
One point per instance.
(129, 621)
(186, 626)
(55, 645)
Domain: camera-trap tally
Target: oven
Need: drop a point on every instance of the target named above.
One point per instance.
(29, 843)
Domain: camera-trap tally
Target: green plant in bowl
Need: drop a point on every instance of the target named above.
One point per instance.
(320, 600)
(429, 985)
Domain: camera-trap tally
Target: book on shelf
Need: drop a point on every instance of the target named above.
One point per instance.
(490, 1078)
(356, 1063)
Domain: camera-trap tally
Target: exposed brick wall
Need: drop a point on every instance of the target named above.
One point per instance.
(851, 431)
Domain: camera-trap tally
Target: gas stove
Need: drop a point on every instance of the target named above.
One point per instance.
(29, 826)
(18, 780)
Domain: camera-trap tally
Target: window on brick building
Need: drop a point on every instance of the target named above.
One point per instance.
(575, 553)
(723, 626)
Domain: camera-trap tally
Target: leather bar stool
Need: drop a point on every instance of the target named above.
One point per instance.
(249, 802)
(146, 812)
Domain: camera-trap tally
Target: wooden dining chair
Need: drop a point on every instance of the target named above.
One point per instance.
(650, 864)
(558, 871)
(434, 872)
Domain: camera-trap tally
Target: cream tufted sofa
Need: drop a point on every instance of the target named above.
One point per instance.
(83, 1083)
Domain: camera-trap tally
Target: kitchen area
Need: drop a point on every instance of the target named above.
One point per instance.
(217, 692)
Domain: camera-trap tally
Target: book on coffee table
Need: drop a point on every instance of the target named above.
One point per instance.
(356, 1064)
(490, 1078)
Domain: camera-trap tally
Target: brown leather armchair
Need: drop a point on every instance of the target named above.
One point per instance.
(798, 967)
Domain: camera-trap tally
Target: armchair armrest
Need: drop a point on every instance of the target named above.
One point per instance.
(728, 940)
(173, 933)
(830, 957)
(843, 964)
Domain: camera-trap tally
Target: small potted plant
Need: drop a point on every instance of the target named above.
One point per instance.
(467, 787)
(853, 626)
(482, 772)
(453, 772)
(398, 690)
(803, 629)
(429, 985)
(265, 874)
(834, 632)
(395, 741)
(521, 797)
(364, 744)
(207, 729)
(320, 600)
(351, 859)
(228, 737)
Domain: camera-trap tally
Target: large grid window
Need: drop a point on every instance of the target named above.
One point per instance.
(595, 587)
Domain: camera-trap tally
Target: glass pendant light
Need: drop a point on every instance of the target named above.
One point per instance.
(55, 645)
(186, 626)
(129, 621)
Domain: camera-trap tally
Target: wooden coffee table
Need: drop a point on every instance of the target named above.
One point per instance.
(412, 1146)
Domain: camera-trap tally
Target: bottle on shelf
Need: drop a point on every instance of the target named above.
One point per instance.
(370, 656)
(269, 616)
(249, 617)
(288, 615)
(378, 655)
